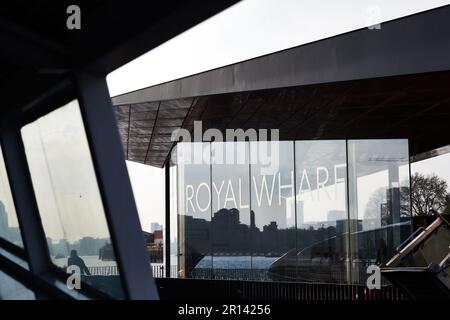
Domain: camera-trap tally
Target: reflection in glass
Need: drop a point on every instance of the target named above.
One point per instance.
(10, 289)
(321, 210)
(285, 211)
(379, 201)
(194, 210)
(68, 197)
(173, 217)
(272, 191)
(9, 226)
(231, 229)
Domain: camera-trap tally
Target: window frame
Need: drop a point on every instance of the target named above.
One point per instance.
(90, 89)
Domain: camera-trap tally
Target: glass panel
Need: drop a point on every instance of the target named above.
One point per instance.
(273, 223)
(9, 226)
(68, 197)
(379, 201)
(280, 217)
(321, 211)
(231, 222)
(10, 289)
(173, 218)
(194, 210)
(14, 258)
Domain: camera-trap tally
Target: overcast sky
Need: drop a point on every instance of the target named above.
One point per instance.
(148, 188)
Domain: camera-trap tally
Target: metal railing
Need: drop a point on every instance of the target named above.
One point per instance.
(225, 274)
(253, 284)
(104, 271)
(195, 289)
(231, 274)
(158, 271)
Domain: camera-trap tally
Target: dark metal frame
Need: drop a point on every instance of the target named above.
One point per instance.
(167, 218)
(115, 189)
(36, 52)
(31, 229)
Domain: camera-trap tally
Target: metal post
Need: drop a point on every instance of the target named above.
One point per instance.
(32, 232)
(352, 208)
(115, 187)
(394, 204)
(167, 222)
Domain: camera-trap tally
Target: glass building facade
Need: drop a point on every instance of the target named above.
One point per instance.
(317, 210)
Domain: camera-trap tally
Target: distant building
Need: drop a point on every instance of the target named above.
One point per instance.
(87, 246)
(106, 253)
(335, 215)
(270, 227)
(4, 230)
(149, 237)
(158, 238)
(155, 226)
(252, 220)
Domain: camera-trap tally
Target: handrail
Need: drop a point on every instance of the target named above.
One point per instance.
(412, 236)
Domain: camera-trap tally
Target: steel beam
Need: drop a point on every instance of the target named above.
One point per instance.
(32, 232)
(115, 187)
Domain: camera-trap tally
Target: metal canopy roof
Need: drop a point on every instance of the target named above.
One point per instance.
(388, 83)
(146, 128)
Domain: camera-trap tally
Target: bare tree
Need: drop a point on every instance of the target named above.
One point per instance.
(378, 205)
(428, 192)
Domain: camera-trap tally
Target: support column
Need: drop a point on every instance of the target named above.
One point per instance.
(32, 232)
(167, 222)
(115, 187)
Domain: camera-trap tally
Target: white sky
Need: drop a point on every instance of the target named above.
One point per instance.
(148, 188)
